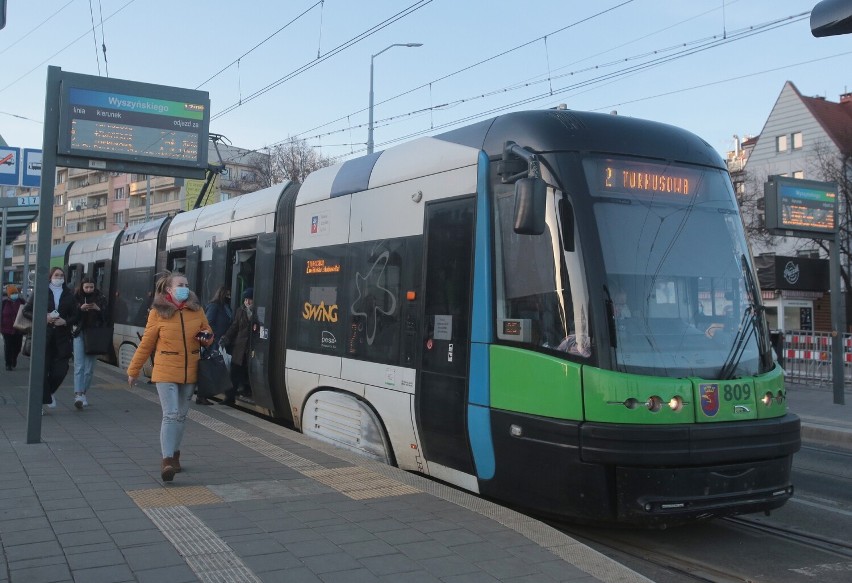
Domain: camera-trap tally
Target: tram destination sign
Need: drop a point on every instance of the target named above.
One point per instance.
(801, 208)
(113, 124)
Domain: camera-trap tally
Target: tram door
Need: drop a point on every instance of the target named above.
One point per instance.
(441, 400)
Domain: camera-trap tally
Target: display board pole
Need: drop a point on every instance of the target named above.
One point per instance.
(838, 317)
(45, 230)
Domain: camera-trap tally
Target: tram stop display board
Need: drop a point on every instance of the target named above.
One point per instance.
(128, 126)
(801, 208)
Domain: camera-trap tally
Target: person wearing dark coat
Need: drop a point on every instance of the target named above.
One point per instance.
(219, 315)
(93, 305)
(62, 315)
(12, 338)
(237, 340)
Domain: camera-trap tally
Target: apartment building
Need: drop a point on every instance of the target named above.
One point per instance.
(89, 203)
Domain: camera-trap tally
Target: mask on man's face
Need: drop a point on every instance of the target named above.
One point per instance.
(57, 280)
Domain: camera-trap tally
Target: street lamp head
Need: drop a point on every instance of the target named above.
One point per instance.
(414, 44)
(372, 58)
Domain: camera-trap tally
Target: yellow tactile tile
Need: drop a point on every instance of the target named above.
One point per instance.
(360, 484)
(178, 496)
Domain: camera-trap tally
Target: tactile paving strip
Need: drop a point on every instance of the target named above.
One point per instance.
(359, 483)
(178, 496)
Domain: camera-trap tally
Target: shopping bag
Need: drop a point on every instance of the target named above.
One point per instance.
(27, 347)
(213, 375)
(97, 340)
(225, 356)
(22, 323)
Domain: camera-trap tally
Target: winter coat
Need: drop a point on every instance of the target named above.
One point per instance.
(10, 312)
(58, 337)
(91, 318)
(219, 315)
(170, 336)
(237, 340)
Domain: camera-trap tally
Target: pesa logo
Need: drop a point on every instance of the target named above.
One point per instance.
(328, 340)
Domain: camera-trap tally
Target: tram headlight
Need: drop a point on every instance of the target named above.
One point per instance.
(676, 403)
(654, 404)
(767, 399)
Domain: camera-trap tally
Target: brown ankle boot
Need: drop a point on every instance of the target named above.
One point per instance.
(167, 471)
(176, 464)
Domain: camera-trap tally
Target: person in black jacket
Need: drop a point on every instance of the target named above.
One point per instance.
(92, 305)
(62, 314)
(219, 315)
(237, 340)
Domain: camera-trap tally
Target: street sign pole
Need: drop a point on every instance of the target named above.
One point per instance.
(838, 317)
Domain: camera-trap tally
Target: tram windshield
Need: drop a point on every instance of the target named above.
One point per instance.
(675, 281)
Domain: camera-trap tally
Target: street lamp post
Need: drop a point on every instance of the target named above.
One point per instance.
(370, 125)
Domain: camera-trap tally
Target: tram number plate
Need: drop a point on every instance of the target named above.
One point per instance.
(736, 392)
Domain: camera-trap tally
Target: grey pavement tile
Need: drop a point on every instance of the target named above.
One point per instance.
(32, 550)
(424, 550)
(64, 503)
(419, 576)
(278, 524)
(471, 578)
(176, 574)
(510, 540)
(299, 535)
(330, 563)
(403, 535)
(350, 576)
(23, 524)
(562, 571)
(273, 562)
(370, 548)
(37, 562)
(347, 533)
(314, 515)
(388, 564)
(126, 513)
(91, 560)
(297, 575)
(22, 537)
(154, 555)
(248, 548)
(509, 567)
(111, 503)
(457, 536)
(43, 574)
(381, 525)
(17, 501)
(64, 514)
(449, 565)
(101, 547)
(17, 492)
(138, 538)
(532, 553)
(60, 494)
(104, 574)
(90, 537)
(21, 512)
(481, 551)
(133, 524)
(537, 578)
(81, 525)
(311, 548)
(431, 525)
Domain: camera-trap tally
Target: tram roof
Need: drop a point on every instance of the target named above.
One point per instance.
(247, 205)
(91, 244)
(143, 231)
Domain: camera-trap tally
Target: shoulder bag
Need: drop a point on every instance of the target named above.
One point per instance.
(97, 339)
(213, 377)
(22, 322)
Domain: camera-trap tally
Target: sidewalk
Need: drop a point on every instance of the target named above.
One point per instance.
(255, 502)
(822, 420)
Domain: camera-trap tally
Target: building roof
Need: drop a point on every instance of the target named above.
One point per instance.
(835, 118)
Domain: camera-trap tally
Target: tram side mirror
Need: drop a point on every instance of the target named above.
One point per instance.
(831, 17)
(530, 200)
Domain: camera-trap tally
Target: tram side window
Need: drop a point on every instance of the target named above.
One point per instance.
(317, 297)
(535, 305)
(374, 287)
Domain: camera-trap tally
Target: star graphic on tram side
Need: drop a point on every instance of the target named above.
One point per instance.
(371, 296)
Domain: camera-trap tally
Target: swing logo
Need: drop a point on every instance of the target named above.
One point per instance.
(320, 313)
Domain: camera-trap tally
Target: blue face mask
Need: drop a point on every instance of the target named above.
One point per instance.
(14, 297)
(181, 294)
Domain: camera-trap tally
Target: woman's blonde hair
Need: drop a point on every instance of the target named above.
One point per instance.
(165, 280)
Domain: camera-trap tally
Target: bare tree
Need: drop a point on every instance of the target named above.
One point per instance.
(291, 160)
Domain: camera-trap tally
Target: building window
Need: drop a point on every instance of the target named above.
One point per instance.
(799, 174)
(797, 141)
(120, 193)
(57, 241)
(57, 222)
(781, 143)
(33, 248)
(59, 200)
(118, 218)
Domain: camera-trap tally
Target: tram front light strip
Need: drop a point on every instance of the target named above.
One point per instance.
(654, 404)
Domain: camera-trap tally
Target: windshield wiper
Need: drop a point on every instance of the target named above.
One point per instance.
(750, 323)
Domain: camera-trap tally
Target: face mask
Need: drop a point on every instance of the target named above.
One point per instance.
(57, 280)
(14, 297)
(181, 294)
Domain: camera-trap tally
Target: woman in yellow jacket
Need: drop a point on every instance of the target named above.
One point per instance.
(175, 332)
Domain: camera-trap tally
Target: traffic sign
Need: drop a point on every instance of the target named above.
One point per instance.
(10, 167)
(31, 174)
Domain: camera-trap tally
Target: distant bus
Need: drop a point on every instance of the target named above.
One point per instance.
(555, 309)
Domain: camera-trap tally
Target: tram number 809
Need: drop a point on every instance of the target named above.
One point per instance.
(736, 392)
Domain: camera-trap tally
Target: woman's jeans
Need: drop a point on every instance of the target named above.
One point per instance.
(174, 400)
(84, 365)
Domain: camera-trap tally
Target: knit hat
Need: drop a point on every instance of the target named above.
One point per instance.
(11, 289)
(248, 294)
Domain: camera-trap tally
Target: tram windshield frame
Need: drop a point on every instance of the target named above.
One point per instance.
(671, 241)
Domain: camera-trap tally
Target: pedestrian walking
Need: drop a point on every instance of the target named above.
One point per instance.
(219, 314)
(62, 315)
(237, 340)
(12, 338)
(92, 305)
(175, 332)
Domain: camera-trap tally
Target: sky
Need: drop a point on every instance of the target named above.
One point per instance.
(278, 69)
